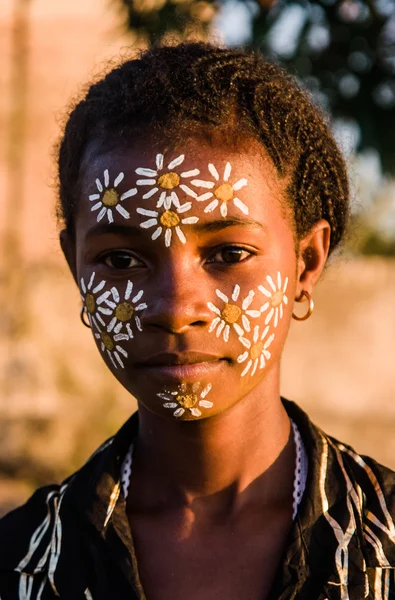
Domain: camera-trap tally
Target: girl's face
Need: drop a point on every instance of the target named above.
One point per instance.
(185, 258)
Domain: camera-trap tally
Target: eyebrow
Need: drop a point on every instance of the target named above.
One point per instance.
(112, 228)
(211, 226)
(220, 224)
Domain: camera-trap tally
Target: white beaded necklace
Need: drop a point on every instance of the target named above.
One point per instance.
(300, 475)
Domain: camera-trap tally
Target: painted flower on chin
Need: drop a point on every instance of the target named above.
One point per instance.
(257, 351)
(125, 310)
(109, 345)
(109, 199)
(167, 182)
(223, 193)
(231, 314)
(275, 298)
(168, 221)
(187, 398)
(93, 301)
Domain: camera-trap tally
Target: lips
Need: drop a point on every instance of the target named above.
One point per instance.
(184, 358)
(186, 366)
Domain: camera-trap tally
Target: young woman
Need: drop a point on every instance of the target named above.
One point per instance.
(201, 194)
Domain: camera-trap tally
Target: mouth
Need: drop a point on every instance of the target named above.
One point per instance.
(188, 366)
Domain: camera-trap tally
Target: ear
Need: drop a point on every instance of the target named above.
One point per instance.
(313, 253)
(67, 243)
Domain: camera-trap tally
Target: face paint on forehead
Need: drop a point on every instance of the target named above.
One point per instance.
(222, 190)
(167, 221)
(166, 181)
(108, 198)
(187, 398)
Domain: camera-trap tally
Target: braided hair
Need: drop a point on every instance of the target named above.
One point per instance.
(199, 85)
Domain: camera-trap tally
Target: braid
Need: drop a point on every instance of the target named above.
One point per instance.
(198, 84)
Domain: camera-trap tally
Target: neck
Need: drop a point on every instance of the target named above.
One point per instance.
(246, 450)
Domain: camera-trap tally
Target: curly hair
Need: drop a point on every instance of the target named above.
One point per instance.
(202, 85)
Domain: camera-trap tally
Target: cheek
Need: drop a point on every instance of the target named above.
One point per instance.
(251, 321)
(114, 314)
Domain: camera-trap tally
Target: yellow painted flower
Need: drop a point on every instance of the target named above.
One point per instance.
(125, 310)
(96, 304)
(257, 351)
(167, 221)
(222, 192)
(232, 315)
(187, 398)
(276, 298)
(108, 198)
(166, 181)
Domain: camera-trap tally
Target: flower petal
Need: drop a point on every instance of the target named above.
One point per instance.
(122, 211)
(176, 162)
(205, 403)
(203, 184)
(149, 223)
(240, 205)
(118, 179)
(146, 172)
(156, 233)
(240, 184)
(159, 161)
(222, 296)
(180, 235)
(210, 207)
(203, 197)
(224, 209)
(227, 172)
(213, 171)
(236, 292)
(150, 193)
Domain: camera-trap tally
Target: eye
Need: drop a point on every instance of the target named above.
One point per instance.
(120, 259)
(230, 255)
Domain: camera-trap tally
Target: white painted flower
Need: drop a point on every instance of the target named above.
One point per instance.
(109, 344)
(187, 398)
(167, 182)
(257, 350)
(231, 314)
(93, 300)
(275, 298)
(223, 193)
(167, 221)
(108, 198)
(126, 310)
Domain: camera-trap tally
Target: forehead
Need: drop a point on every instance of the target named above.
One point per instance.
(210, 181)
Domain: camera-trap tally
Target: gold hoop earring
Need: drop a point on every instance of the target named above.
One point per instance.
(83, 312)
(311, 306)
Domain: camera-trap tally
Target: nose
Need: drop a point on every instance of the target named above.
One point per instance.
(178, 300)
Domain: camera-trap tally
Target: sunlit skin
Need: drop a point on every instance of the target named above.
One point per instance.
(223, 481)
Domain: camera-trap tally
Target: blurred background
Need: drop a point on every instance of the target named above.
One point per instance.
(57, 401)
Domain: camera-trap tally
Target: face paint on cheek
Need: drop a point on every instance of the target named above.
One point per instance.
(187, 398)
(223, 191)
(166, 183)
(126, 310)
(257, 350)
(108, 199)
(276, 299)
(122, 312)
(232, 315)
(96, 303)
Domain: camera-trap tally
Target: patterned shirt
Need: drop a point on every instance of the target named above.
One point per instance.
(73, 541)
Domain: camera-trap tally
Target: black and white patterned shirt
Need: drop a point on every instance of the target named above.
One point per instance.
(73, 541)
